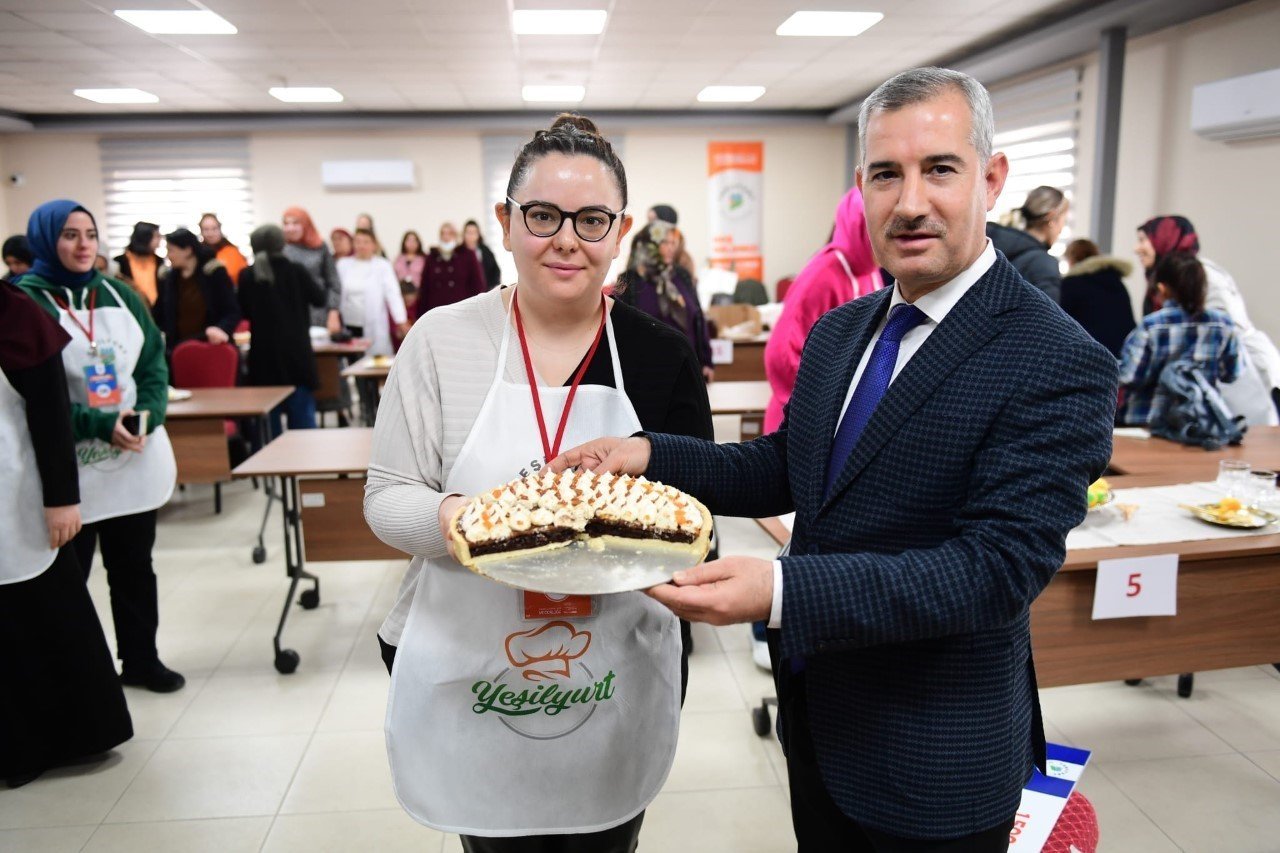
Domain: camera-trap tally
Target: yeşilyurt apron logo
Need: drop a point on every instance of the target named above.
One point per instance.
(555, 694)
(737, 201)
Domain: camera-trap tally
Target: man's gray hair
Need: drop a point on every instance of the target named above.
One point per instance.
(922, 84)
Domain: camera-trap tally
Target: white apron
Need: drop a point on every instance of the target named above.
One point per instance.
(25, 553)
(501, 726)
(114, 482)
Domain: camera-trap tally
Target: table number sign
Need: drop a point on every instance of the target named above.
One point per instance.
(1045, 796)
(1136, 586)
(721, 351)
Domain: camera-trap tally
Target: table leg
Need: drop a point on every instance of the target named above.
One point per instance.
(286, 660)
(260, 551)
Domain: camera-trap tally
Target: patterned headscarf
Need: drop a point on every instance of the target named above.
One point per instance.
(646, 262)
(310, 236)
(1168, 234)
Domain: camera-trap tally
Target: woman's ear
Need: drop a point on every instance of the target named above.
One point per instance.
(504, 219)
(623, 228)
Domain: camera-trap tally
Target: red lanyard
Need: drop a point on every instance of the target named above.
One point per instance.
(65, 306)
(553, 450)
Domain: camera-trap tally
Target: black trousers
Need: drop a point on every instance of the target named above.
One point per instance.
(624, 838)
(821, 826)
(126, 544)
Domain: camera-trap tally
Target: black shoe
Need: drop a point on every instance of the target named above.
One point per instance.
(158, 679)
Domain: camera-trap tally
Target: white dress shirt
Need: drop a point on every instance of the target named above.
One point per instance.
(935, 304)
(369, 291)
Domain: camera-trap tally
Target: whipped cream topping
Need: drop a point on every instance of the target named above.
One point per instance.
(571, 500)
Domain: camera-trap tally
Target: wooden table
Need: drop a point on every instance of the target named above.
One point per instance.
(1228, 601)
(1261, 448)
(321, 474)
(195, 428)
(747, 364)
(370, 374)
(748, 399)
(330, 358)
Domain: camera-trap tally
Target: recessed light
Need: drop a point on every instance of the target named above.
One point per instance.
(558, 22)
(305, 94)
(177, 22)
(730, 94)
(116, 96)
(838, 24)
(554, 94)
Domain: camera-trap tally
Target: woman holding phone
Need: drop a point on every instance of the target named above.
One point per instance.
(458, 417)
(118, 383)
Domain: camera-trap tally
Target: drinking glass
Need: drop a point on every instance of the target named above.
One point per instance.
(1233, 477)
(1262, 492)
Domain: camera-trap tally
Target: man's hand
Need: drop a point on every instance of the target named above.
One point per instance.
(448, 509)
(214, 335)
(722, 592)
(63, 523)
(615, 455)
(334, 322)
(125, 440)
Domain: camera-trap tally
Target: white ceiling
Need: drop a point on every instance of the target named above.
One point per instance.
(413, 55)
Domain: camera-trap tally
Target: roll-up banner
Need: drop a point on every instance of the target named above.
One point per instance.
(735, 178)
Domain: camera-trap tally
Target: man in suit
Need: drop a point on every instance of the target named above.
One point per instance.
(936, 450)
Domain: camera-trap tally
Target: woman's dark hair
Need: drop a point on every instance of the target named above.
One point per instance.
(569, 134)
(404, 242)
(18, 247)
(140, 239)
(1183, 275)
(368, 232)
(1079, 250)
(479, 231)
(185, 239)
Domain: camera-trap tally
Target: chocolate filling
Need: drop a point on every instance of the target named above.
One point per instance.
(521, 541)
(596, 527)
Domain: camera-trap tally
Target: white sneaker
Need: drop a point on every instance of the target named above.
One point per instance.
(760, 654)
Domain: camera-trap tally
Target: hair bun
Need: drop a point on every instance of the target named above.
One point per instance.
(577, 122)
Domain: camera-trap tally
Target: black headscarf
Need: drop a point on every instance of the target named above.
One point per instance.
(140, 239)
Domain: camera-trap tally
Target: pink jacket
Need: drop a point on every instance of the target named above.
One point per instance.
(845, 269)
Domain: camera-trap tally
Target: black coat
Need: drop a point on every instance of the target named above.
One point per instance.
(220, 308)
(280, 313)
(1094, 295)
(489, 267)
(1029, 257)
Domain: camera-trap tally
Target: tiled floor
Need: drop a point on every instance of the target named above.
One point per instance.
(244, 759)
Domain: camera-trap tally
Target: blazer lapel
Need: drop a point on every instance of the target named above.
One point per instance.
(966, 328)
(861, 328)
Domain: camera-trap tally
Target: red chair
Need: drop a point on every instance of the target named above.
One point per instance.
(781, 288)
(197, 364)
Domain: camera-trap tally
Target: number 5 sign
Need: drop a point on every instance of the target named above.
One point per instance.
(1136, 586)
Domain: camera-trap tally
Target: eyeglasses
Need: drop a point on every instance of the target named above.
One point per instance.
(544, 219)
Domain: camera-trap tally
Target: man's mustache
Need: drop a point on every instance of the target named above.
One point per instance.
(898, 227)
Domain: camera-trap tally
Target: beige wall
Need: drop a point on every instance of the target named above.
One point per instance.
(1227, 189)
(804, 174)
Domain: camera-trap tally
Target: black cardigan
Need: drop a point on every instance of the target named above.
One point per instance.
(220, 307)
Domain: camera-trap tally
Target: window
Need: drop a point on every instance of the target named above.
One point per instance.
(1037, 124)
(172, 182)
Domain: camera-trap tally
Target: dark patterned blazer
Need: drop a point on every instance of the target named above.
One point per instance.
(908, 588)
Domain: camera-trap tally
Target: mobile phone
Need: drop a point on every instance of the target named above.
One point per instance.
(136, 423)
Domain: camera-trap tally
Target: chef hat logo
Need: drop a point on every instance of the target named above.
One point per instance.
(547, 651)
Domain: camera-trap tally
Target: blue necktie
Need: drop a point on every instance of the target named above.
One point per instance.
(871, 387)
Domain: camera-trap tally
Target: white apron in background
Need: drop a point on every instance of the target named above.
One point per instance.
(25, 552)
(114, 482)
(498, 726)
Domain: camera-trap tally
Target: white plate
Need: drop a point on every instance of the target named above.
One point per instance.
(580, 569)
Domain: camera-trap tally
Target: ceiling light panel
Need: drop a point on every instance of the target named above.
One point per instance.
(829, 24)
(730, 94)
(305, 94)
(116, 96)
(558, 22)
(177, 22)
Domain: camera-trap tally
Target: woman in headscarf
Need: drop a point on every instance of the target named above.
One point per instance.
(342, 242)
(118, 383)
(63, 699)
(305, 246)
(1259, 379)
(277, 296)
(139, 265)
(655, 283)
(196, 300)
(844, 269)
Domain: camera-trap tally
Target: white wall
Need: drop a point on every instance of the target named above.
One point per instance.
(53, 166)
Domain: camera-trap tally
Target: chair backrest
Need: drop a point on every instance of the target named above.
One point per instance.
(750, 291)
(197, 364)
(783, 285)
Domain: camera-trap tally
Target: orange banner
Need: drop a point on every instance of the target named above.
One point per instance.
(735, 178)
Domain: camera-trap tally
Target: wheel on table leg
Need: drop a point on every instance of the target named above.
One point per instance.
(1133, 682)
(287, 661)
(760, 720)
(259, 554)
(1186, 683)
(310, 599)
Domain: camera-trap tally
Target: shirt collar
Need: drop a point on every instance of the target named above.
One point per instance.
(937, 303)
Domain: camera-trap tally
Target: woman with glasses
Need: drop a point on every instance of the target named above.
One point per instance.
(482, 740)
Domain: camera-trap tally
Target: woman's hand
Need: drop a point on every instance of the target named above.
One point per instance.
(448, 509)
(709, 374)
(334, 323)
(125, 440)
(63, 523)
(214, 335)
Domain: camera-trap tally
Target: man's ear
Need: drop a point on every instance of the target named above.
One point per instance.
(504, 219)
(997, 173)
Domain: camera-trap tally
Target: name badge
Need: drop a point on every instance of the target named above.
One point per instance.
(103, 385)
(538, 605)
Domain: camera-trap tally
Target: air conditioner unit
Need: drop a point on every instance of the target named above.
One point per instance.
(367, 174)
(1245, 107)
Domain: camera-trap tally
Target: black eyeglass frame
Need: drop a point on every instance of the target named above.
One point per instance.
(571, 215)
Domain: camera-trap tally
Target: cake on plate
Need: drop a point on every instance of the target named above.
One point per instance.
(545, 511)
